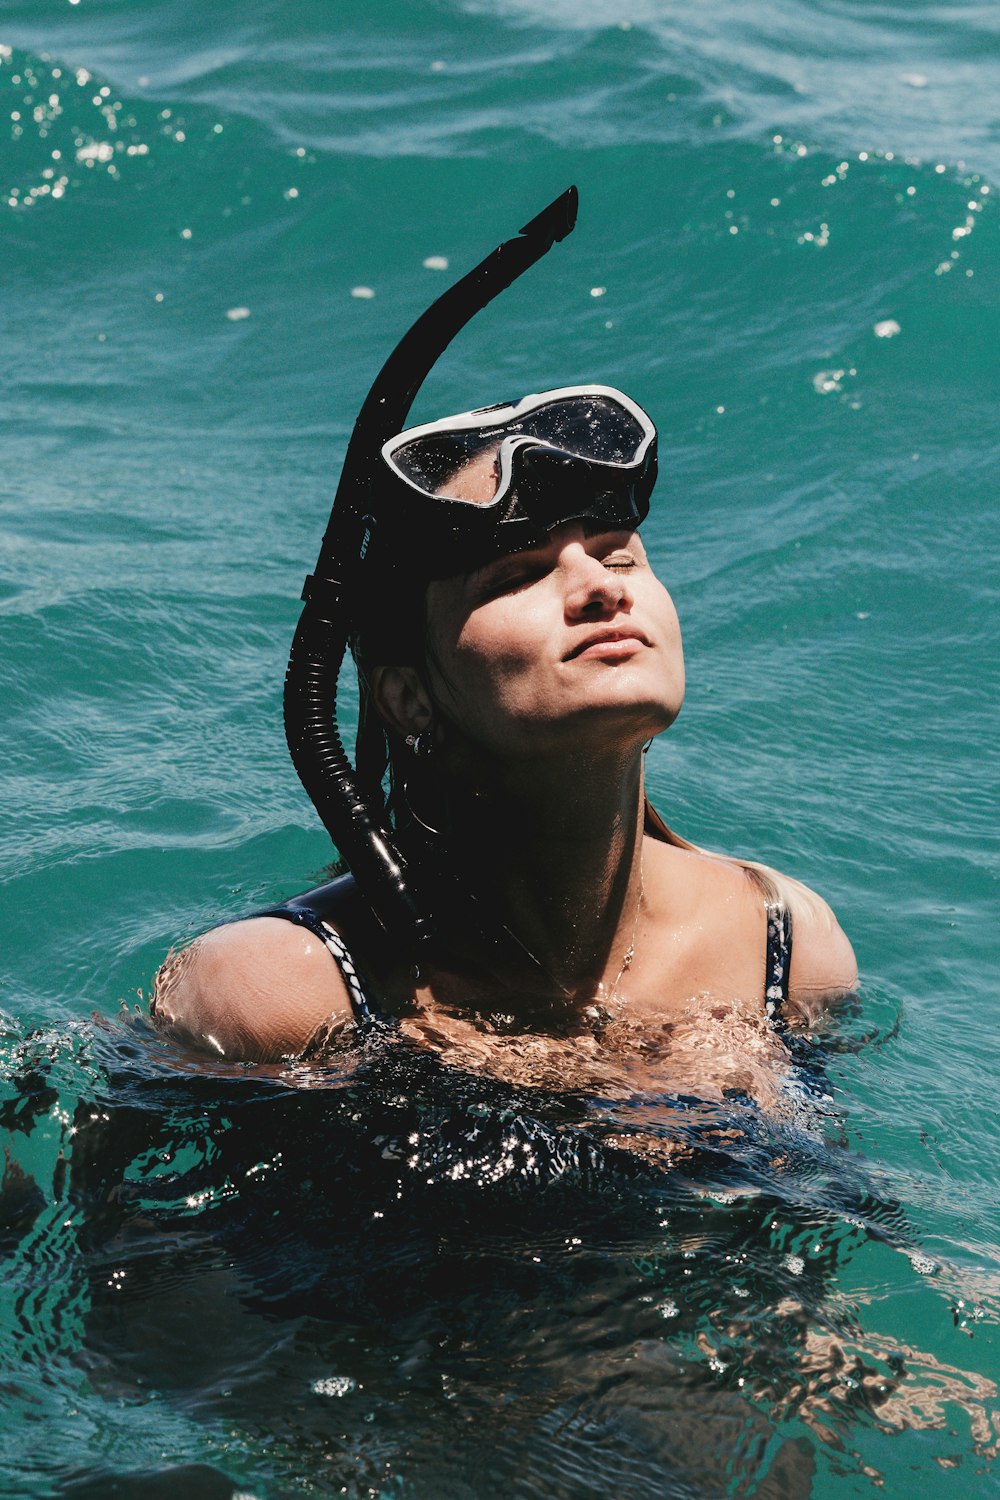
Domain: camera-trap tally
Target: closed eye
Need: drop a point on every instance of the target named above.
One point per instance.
(510, 581)
(620, 551)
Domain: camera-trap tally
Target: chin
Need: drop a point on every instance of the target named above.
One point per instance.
(650, 709)
(603, 727)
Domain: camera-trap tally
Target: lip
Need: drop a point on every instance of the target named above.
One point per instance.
(621, 642)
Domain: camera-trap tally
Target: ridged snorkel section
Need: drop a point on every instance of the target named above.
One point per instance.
(326, 772)
(324, 628)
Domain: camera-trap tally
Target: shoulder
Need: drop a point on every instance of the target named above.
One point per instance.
(824, 968)
(251, 991)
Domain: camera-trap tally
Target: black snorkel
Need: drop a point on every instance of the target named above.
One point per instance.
(325, 625)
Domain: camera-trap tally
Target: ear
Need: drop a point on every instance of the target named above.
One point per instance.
(402, 699)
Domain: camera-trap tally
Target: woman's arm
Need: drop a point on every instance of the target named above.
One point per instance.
(252, 991)
(824, 968)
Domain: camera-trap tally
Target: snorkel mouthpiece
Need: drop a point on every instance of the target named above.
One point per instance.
(351, 547)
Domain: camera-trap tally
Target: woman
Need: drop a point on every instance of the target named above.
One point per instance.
(516, 654)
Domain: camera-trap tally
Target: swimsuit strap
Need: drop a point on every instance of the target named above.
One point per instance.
(302, 910)
(779, 958)
(304, 916)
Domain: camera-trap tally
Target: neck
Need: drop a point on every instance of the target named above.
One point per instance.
(557, 849)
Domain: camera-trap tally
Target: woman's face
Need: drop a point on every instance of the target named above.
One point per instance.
(574, 643)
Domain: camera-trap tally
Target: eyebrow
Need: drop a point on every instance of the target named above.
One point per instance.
(485, 569)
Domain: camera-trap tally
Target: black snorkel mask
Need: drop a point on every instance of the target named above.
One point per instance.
(582, 453)
(586, 453)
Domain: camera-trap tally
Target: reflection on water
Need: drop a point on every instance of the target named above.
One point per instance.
(380, 1275)
(705, 1048)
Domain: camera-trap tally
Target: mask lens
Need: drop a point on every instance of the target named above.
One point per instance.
(590, 426)
(594, 427)
(432, 462)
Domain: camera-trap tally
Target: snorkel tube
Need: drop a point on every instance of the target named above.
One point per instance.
(350, 541)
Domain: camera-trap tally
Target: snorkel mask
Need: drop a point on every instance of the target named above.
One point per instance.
(582, 453)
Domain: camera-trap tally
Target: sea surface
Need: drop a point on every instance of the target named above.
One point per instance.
(215, 222)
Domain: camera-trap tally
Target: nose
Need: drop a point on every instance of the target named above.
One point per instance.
(593, 592)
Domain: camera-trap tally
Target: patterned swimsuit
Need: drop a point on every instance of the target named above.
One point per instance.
(307, 912)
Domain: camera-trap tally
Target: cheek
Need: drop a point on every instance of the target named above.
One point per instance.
(487, 662)
(500, 644)
(673, 647)
(672, 629)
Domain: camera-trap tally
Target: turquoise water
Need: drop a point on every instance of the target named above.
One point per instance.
(787, 251)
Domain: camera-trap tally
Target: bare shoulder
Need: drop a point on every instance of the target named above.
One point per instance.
(823, 964)
(824, 967)
(252, 991)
